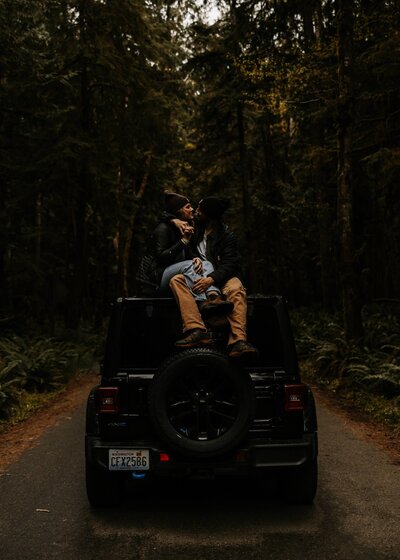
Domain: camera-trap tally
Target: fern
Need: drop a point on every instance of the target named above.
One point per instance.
(375, 367)
(46, 362)
(35, 364)
(387, 380)
(10, 383)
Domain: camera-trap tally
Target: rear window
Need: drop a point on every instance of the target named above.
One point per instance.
(148, 331)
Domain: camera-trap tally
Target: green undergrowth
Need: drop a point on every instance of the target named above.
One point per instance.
(26, 403)
(34, 368)
(376, 407)
(365, 376)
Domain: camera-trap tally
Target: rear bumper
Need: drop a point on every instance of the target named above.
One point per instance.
(259, 456)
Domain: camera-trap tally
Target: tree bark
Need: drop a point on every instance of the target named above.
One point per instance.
(307, 9)
(131, 225)
(38, 254)
(243, 160)
(78, 285)
(326, 219)
(272, 273)
(319, 25)
(350, 288)
(245, 194)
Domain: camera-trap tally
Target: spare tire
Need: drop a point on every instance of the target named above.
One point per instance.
(201, 403)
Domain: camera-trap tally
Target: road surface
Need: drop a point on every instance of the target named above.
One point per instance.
(44, 513)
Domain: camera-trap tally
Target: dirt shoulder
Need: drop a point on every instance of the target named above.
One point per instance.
(379, 435)
(24, 435)
(16, 439)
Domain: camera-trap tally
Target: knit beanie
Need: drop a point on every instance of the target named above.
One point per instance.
(174, 202)
(213, 207)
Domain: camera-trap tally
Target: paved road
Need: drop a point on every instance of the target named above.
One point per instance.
(356, 514)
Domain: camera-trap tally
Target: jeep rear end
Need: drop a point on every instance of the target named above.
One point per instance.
(197, 413)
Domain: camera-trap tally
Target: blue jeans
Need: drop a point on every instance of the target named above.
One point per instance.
(186, 268)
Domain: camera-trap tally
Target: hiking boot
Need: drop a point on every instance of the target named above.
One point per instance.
(195, 337)
(215, 304)
(241, 348)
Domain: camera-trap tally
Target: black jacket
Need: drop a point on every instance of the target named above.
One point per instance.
(222, 251)
(167, 248)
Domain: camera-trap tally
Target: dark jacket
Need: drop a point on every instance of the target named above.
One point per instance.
(167, 248)
(222, 251)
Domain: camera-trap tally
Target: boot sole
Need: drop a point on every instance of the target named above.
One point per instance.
(194, 344)
(245, 353)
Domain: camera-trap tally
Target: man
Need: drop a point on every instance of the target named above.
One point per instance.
(214, 241)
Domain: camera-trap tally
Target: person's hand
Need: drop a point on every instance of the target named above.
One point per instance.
(197, 265)
(187, 231)
(202, 284)
(179, 224)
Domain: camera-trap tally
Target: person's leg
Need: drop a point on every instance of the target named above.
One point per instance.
(181, 277)
(235, 292)
(187, 269)
(207, 270)
(209, 301)
(191, 318)
(191, 276)
(170, 272)
(238, 347)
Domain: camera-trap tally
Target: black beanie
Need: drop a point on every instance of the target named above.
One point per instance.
(214, 207)
(174, 202)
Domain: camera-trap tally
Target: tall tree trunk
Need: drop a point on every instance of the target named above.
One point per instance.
(245, 196)
(78, 286)
(307, 9)
(326, 218)
(319, 24)
(243, 160)
(271, 221)
(311, 11)
(38, 253)
(350, 289)
(131, 225)
(5, 302)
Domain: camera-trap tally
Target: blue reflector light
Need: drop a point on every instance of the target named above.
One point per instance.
(136, 474)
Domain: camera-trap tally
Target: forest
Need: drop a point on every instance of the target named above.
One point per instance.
(290, 108)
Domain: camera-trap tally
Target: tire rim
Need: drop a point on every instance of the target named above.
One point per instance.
(202, 404)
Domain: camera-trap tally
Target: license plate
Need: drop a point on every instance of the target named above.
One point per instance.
(128, 460)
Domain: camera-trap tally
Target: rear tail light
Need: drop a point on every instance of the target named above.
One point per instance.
(241, 456)
(294, 398)
(107, 400)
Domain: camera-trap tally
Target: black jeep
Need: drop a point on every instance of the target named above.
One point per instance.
(159, 412)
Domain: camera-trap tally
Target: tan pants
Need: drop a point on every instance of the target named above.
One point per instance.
(233, 290)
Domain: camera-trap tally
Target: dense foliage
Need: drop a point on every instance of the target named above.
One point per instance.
(291, 109)
(368, 375)
(32, 365)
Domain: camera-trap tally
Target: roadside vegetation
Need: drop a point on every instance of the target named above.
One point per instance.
(366, 375)
(34, 368)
